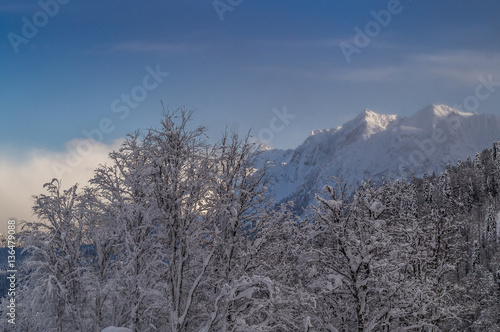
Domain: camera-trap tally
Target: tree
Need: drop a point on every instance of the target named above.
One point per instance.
(125, 227)
(184, 214)
(53, 296)
(355, 258)
(491, 226)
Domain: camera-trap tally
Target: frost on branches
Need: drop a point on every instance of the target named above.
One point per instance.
(177, 234)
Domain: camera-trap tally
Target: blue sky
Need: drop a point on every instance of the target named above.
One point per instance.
(263, 56)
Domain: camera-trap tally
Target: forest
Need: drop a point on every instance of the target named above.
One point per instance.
(179, 234)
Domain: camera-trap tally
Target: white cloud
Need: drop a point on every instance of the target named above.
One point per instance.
(451, 58)
(463, 67)
(460, 68)
(455, 68)
(377, 74)
(17, 7)
(24, 177)
(137, 46)
(305, 44)
(159, 47)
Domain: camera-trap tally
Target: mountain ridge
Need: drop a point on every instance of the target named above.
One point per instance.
(376, 146)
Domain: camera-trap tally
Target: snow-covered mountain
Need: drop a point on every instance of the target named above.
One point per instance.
(376, 145)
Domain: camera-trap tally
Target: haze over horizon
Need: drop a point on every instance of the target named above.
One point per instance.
(74, 70)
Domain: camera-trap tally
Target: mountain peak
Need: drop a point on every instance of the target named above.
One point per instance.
(368, 123)
(262, 147)
(441, 111)
(373, 117)
(432, 114)
(366, 114)
(376, 145)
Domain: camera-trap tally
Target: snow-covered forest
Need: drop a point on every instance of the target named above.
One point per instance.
(179, 234)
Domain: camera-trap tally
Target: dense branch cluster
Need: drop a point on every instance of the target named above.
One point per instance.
(176, 234)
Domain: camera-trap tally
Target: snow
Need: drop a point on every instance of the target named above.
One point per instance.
(262, 147)
(368, 123)
(376, 145)
(498, 225)
(335, 205)
(377, 208)
(116, 329)
(153, 255)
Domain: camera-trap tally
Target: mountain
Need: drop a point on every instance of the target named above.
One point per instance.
(372, 146)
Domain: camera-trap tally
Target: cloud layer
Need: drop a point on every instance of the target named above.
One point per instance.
(24, 177)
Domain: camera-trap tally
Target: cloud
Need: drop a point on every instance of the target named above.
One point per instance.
(158, 47)
(377, 74)
(137, 46)
(24, 177)
(463, 67)
(450, 58)
(305, 44)
(17, 7)
(454, 68)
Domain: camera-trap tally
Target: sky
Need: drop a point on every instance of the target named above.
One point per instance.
(77, 76)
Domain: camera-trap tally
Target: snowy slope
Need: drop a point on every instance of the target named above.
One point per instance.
(376, 145)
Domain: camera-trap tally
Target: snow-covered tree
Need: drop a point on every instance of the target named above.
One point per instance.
(180, 215)
(356, 259)
(177, 234)
(490, 225)
(52, 294)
